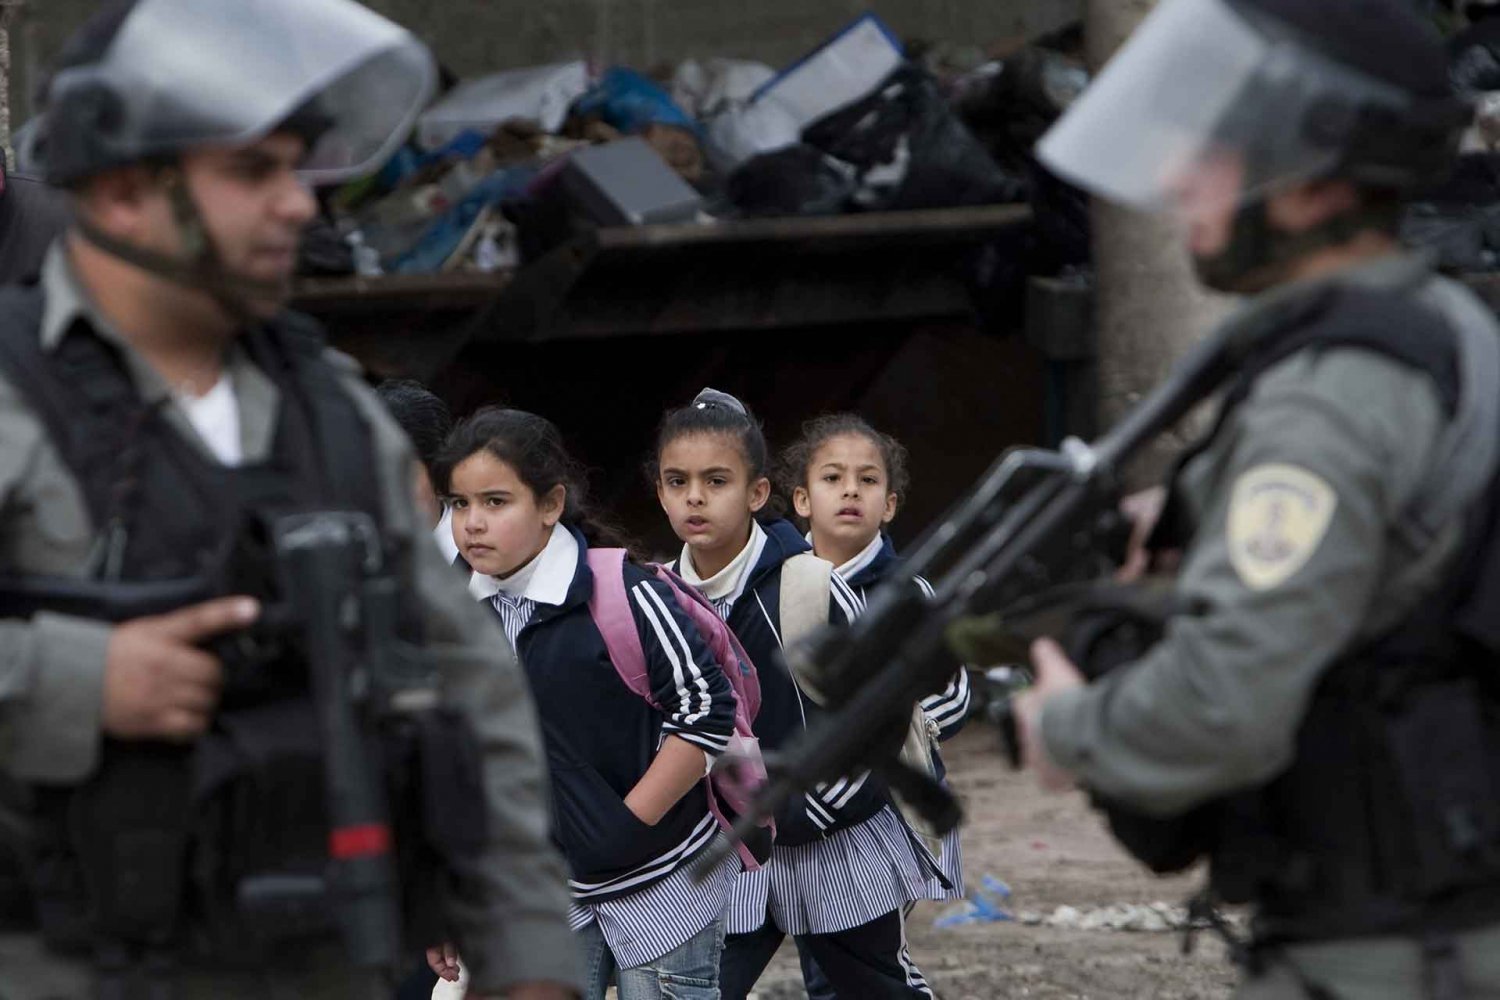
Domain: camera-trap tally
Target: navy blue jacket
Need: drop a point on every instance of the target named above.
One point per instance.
(784, 712)
(950, 707)
(601, 738)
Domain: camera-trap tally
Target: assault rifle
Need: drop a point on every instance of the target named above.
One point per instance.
(330, 613)
(1037, 519)
(331, 569)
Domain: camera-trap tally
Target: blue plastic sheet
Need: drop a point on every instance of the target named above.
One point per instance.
(445, 233)
(989, 904)
(629, 102)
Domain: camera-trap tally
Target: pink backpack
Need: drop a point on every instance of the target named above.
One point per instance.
(730, 789)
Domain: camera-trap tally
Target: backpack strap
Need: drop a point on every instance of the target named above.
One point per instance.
(739, 669)
(293, 351)
(289, 350)
(609, 606)
(1469, 451)
(23, 363)
(77, 392)
(1441, 331)
(1450, 336)
(806, 589)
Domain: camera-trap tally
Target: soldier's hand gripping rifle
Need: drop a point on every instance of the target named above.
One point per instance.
(331, 605)
(1037, 519)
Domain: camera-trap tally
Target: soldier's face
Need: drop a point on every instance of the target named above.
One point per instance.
(253, 205)
(499, 523)
(1207, 200)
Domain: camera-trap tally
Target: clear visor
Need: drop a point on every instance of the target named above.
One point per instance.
(1201, 109)
(229, 72)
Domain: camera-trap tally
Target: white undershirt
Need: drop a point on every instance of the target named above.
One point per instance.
(866, 556)
(215, 415)
(728, 582)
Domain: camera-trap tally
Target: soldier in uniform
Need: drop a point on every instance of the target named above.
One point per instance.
(154, 396)
(1324, 702)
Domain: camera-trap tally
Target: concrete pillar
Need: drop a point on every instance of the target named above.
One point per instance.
(11, 15)
(1150, 306)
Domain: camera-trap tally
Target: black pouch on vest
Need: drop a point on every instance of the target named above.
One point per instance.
(260, 847)
(452, 776)
(129, 830)
(1113, 628)
(438, 811)
(1437, 745)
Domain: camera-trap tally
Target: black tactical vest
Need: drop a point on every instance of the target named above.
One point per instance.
(1388, 819)
(150, 852)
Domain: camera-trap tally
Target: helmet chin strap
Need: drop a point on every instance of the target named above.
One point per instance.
(1259, 255)
(200, 268)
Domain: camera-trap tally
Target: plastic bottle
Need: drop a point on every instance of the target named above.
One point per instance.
(366, 257)
(496, 249)
(487, 253)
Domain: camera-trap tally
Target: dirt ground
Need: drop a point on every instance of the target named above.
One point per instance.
(1051, 851)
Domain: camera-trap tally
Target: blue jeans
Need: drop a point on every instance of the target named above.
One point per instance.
(689, 972)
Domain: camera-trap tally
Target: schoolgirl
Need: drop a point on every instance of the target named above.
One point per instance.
(845, 864)
(847, 480)
(629, 810)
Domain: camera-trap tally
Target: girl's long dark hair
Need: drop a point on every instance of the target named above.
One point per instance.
(533, 447)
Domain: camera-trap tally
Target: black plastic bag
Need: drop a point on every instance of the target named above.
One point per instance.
(323, 252)
(1459, 219)
(1474, 58)
(1010, 105)
(909, 150)
(797, 180)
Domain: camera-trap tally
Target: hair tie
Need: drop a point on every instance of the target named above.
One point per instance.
(713, 397)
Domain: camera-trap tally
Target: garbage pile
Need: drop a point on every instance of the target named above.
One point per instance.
(505, 167)
(990, 902)
(1459, 220)
(1139, 918)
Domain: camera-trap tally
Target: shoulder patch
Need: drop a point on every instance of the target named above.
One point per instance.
(1278, 515)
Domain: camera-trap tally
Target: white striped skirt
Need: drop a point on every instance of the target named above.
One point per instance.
(656, 921)
(837, 883)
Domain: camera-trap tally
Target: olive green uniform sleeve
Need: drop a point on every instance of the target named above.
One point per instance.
(51, 667)
(1295, 557)
(512, 925)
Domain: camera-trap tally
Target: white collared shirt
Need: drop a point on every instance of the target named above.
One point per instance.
(545, 579)
(866, 556)
(726, 586)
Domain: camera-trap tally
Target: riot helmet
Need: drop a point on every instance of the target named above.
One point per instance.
(1293, 90)
(146, 81)
(181, 74)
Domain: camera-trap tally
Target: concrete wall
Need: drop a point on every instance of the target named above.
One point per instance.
(471, 36)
